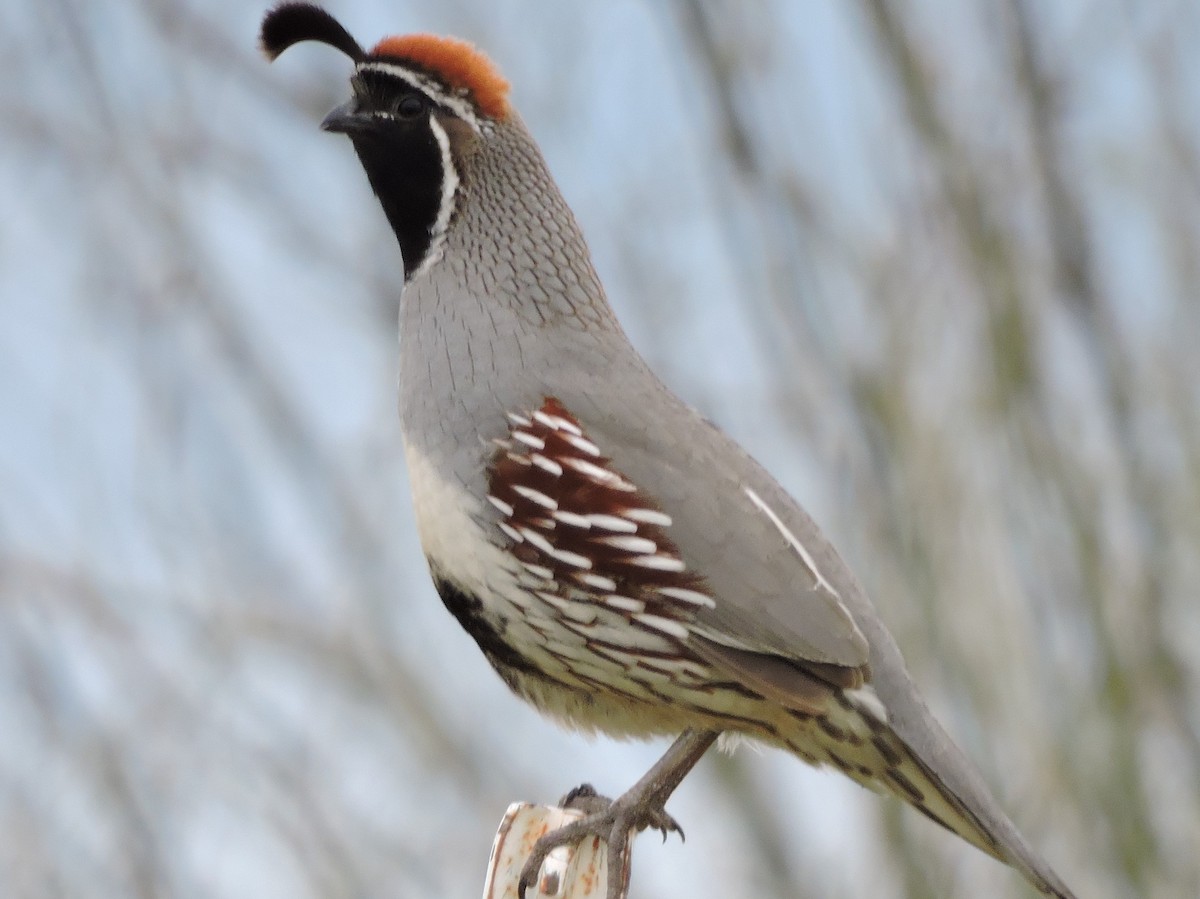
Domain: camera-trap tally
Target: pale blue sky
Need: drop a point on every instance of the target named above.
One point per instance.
(135, 455)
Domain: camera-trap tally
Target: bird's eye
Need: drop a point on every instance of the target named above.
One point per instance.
(410, 106)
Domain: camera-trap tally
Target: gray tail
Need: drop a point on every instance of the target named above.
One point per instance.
(937, 780)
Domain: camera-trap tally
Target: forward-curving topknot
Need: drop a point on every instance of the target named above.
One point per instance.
(291, 23)
(459, 64)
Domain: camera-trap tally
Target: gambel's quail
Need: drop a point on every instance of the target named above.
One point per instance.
(622, 563)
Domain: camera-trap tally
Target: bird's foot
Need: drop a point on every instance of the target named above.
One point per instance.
(653, 816)
(612, 820)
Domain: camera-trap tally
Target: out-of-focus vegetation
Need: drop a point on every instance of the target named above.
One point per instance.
(937, 264)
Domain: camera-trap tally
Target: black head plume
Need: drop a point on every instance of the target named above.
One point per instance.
(291, 23)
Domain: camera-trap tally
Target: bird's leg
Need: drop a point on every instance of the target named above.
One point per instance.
(639, 807)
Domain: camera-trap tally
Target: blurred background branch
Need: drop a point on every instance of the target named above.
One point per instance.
(941, 262)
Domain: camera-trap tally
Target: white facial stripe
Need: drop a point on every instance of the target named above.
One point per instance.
(437, 231)
(436, 92)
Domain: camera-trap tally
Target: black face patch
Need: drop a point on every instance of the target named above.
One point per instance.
(404, 166)
(402, 158)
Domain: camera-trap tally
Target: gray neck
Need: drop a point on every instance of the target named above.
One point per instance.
(512, 307)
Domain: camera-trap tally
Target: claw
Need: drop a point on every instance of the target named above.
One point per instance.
(584, 798)
(616, 822)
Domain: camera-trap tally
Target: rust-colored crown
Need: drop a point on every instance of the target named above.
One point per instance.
(455, 62)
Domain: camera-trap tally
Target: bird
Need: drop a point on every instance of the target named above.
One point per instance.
(622, 563)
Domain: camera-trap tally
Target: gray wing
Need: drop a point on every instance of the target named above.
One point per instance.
(779, 587)
(789, 616)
